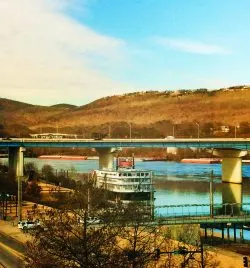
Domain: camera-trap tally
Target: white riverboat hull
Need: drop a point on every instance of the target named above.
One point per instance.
(126, 184)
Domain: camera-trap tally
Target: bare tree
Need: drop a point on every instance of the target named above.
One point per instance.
(139, 238)
(69, 236)
(90, 231)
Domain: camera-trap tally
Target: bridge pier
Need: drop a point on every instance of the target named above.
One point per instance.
(228, 234)
(16, 160)
(235, 240)
(231, 164)
(106, 157)
(242, 235)
(206, 233)
(222, 232)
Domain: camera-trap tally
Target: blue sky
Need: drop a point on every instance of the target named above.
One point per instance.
(76, 51)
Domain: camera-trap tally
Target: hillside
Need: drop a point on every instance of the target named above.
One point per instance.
(151, 113)
(229, 107)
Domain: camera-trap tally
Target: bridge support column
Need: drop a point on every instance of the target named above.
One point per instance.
(222, 232)
(231, 164)
(16, 162)
(241, 235)
(206, 233)
(234, 233)
(106, 157)
(228, 234)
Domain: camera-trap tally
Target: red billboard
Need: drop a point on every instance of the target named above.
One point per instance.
(125, 162)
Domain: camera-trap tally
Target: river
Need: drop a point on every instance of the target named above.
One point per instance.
(175, 183)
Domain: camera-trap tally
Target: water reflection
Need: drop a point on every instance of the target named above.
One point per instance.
(232, 194)
(227, 198)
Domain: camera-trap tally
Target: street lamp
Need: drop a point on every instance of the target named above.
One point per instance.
(198, 126)
(109, 135)
(130, 130)
(235, 131)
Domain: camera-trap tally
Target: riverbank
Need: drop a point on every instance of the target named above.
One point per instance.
(229, 256)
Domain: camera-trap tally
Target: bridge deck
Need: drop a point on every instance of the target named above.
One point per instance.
(241, 144)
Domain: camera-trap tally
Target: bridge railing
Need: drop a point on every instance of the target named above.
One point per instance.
(202, 210)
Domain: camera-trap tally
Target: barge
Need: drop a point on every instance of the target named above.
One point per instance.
(201, 160)
(63, 157)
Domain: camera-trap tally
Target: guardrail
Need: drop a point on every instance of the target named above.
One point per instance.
(203, 213)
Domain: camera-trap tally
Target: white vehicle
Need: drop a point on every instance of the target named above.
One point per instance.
(91, 220)
(25, 225)
(169, 138)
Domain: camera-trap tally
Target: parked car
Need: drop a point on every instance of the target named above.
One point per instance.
(91, 220)
(169, 138)
(26, 224)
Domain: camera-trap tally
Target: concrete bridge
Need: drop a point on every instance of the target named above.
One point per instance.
(230, 150)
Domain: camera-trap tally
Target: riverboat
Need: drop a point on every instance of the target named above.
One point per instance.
(126, 182)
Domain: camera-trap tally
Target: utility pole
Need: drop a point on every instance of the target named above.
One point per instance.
(235, 131)
(88, 200)
(202, 255)
(198, 130)
(109, 131)
(152, 198)
(130, 131)
(19, 197)
(211, 195)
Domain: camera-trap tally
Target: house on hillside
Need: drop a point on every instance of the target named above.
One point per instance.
(224, 129)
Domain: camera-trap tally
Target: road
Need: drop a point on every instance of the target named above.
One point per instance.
(11, 252)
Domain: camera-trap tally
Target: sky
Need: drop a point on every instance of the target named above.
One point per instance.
(76, 51)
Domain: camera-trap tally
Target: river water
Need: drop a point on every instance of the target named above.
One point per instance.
(175, 183)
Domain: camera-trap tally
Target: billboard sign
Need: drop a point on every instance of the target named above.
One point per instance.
(125, 162)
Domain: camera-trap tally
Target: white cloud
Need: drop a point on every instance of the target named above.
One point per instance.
(190, 46)
(47, 58)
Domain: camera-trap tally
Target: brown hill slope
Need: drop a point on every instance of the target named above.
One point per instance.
(27, 114)
(229, 107)
(151, 113)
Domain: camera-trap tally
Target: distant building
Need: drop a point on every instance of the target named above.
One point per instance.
(224, 129)
(172, 150)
